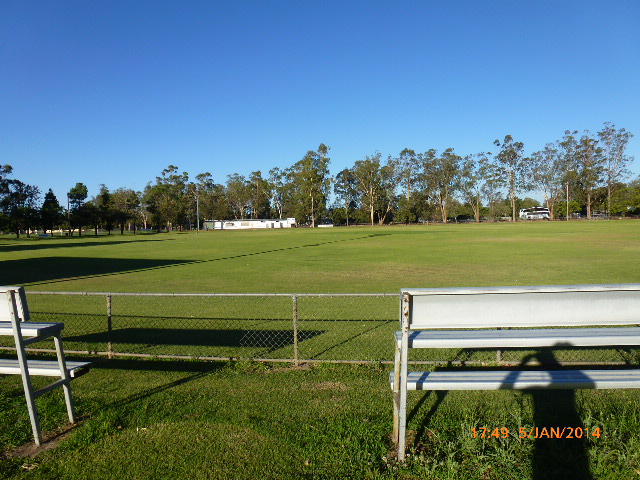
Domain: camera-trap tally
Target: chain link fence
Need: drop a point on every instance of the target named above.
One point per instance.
(275, 327)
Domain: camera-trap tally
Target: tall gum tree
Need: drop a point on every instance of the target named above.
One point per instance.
(312, 182)
(443, 178)
(513, 169)
(473, 174)
(547, 174)
(590, 167)
(614, 145)
(344, 188)
(368, 182)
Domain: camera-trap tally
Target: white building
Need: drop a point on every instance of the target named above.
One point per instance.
(245, 224)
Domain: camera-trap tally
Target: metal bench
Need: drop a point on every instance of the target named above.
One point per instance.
(536, 317)
(14, 321)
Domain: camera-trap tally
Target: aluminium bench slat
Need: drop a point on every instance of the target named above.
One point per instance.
(31, 329)
(620, 287)
(522, 379)
(44, 368)
(523, 338)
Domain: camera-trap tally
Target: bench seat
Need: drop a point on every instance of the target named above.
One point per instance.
(45, 368)
(521, 379)
(523, 338)
(501, 318)
(32, 329)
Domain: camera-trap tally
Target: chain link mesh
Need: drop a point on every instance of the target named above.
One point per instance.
(337, 327)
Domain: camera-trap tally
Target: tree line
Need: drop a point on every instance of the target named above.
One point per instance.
(578, 173)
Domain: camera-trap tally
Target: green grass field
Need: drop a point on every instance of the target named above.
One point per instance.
(361, 259)
(187, 419)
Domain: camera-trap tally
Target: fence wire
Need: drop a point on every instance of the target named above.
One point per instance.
(288, 327)
(279, 327)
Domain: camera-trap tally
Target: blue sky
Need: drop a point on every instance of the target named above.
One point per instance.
(114, 91)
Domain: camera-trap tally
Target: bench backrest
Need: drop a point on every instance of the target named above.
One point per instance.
(541, 306)
(21, 303)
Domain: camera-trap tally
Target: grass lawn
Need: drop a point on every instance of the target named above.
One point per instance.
(175, 419)
(358, 259)
(170, 419)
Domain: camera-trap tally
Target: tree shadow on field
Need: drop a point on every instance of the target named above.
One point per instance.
(270, 339)
(192, 371)
(34, 271)
(11, 245)
(45, 270)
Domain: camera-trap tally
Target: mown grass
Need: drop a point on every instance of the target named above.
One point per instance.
(359, 259)
(174, 419)
(168, 419)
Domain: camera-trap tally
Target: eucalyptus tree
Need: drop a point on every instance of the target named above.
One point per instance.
(548, 174)
(165, 200)
(513, 169)
(614, 145)
(259, 195)
(407, 166)
(238, 195)
(126, 208)
(442, 175)
(390, 180)
(279, 189)
(311, 183)
(212, 201)
(590, 167)
(492, 188)
(474, 174)
(569, 168)
(344, 188)
(368, 182)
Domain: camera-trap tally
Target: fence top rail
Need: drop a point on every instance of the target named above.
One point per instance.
(143, 294)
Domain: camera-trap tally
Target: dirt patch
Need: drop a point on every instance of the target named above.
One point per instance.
(291, 368)
(49, 442)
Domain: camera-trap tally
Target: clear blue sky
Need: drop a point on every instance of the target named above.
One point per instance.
(114, 91)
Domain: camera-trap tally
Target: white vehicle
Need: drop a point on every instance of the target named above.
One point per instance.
(535, 213)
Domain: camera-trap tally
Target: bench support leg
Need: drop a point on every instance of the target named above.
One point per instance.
(24, 370)
(64, 374)
(396, 395)
(402, 356)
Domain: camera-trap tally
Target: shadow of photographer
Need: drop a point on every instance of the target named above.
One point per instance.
(564, 454)
(560, 454)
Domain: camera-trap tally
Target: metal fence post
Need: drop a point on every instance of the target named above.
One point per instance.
(296, 353)
(109, 326)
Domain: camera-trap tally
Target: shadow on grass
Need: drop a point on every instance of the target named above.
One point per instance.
(271, 339)
(34, 271)
(13, 245)
(197, 370)
(552, 458)
(353, 337)
(557, 458)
